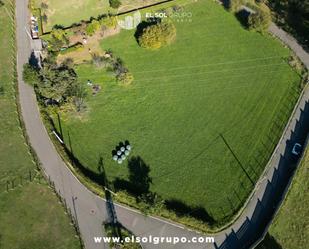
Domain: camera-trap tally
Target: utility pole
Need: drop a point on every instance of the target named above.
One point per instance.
(234, 155)
(60, 126)
(74, 198)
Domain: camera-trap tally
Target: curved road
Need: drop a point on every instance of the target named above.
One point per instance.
(91, 210)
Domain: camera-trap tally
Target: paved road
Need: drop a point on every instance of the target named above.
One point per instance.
(81, 201)
(291, 42)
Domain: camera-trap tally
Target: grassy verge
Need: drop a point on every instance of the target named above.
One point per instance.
(30, 214)
(290, 228)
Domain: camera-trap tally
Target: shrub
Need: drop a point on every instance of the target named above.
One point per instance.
(79, 93)
(114, 3)
(93, 27)
(260, 20)
(109, 21)
(58, 39)
(30, 74)
(100, 61)
(157, 35)
(1, 3)
(125, 78)
(234, 5)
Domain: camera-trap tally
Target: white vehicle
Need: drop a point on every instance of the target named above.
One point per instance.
(296, 149)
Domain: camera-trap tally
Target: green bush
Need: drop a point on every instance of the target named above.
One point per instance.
(234, 5)
(157, 35)
(109, 21)
(93, 27)
(260, 20)
(58, 39)
(115, 4)
(126, 78)
(30, 75)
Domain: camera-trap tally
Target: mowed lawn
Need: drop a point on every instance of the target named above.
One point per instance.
(66, 13)
(72, 11)
(30, 215)
(290, 228)
(217, 78)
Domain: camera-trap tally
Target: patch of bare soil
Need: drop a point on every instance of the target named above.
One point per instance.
(91, 45)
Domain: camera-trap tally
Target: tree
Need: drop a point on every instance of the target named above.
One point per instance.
(30, 74)
(157, 35)
(1, 3)
(260, 20)
(57, 83)
(114, 3)
(58, 39)
(293, 15)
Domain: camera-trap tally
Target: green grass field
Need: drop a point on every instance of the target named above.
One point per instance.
(217, 78)
(66, 13)
(30, 215)
(290, 228)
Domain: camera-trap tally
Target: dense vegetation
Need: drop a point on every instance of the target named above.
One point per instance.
(293, 15)
(260, 20)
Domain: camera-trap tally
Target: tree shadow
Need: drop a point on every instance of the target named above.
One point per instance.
(95, 177)
(226, 3)
(139, 179)
(269, 242)
(182, 209)
(243, 17)
(110, 208)
(33, 61)
(144, 24)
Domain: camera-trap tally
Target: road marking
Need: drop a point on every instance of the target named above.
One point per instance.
(28, 33)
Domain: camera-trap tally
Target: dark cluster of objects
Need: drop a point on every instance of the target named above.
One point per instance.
(121, 152)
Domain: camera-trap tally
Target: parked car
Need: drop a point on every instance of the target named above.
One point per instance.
(297, 149)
